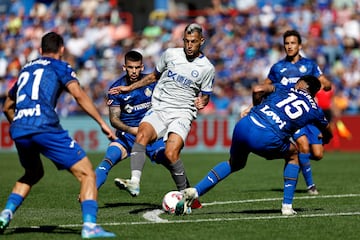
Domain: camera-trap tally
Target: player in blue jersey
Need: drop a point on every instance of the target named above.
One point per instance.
(287, 71)
(277, 113)
(184, 79)
(35, 129)
(125, 113)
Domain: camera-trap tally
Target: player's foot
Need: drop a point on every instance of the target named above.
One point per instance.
(5, 218)
(184, 205)
(313, 190)
(287, 210)
(95, 232)
(127, 185)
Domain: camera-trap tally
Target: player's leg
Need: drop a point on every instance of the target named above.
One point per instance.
(83, 171)
(291, 172)
(66, 153)
(114, 153)
(31, 162)
(146, 134)
(237, 161)
(304, 156)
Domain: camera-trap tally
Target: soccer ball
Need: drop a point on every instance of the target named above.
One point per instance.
(170, 200)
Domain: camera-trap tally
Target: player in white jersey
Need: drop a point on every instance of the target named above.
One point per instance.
(184, 83)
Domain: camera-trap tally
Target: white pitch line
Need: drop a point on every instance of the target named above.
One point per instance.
(279, 199)
(152, 217)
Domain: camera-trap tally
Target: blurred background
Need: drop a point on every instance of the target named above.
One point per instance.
(243, 40)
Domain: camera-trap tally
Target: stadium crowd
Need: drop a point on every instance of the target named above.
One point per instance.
(244, 38)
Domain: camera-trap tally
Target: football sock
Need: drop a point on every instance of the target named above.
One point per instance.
(291, 173)
(137, 161)
(89, 210)
(177, 171)
(215, 175)
(304, 159)
(13, 202)
(112, 156)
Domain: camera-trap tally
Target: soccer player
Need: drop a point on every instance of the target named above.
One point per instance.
(287, 71)
(277, 113)
(35, 128)
(184, 79)
(125, 112)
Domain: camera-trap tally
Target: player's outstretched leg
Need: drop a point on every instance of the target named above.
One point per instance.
(184, 205)
(126, 184)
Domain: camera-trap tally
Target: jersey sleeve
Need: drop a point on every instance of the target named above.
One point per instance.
(161, 64)
(208, 82)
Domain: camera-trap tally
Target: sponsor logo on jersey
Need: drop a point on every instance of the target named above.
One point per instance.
(266, 110)
(129, 109)
(285, 81)
(28, 112)
(180, 79)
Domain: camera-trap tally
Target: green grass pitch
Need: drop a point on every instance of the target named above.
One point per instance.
(246, 205)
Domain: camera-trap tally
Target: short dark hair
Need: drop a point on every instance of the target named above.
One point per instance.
(313, 83)
(51, 42)
(133, 56)
(295, 33)
(193, 27)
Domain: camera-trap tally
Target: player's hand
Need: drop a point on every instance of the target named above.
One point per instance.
(119, 89)
(199, 102)
(108, 132)
(245, 112)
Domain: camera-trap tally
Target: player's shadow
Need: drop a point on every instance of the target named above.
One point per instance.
(51, 229)
(141, 207)
(282, 190)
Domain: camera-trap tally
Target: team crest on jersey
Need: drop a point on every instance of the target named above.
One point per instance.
(302, 69)
(148, 92)
(109, 102)
(194, 73)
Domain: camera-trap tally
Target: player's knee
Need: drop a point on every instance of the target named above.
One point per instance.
(318, 155)
(33, 176)
(172, 156)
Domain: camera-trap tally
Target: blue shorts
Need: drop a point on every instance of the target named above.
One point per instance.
(311, 132)
(127, 140)
(250, 137)
(59, 147)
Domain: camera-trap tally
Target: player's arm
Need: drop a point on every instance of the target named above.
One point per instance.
(325, 83)
(148, 79)
(114, 117)
(88, 106)
(9, 108)
(260, 91)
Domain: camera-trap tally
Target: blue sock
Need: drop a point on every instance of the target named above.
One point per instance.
(13, 202)
(112, 156)
(291, 173)
(304, 159)
(218, 173)
(89, 210)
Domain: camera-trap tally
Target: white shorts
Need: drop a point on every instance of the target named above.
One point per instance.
(165, 123)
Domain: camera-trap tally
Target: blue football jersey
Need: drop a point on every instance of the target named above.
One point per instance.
(287, 111)
(288, 73)
(36, 91)
(133, 104)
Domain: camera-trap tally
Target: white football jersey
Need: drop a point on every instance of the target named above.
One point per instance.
(181, 81)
